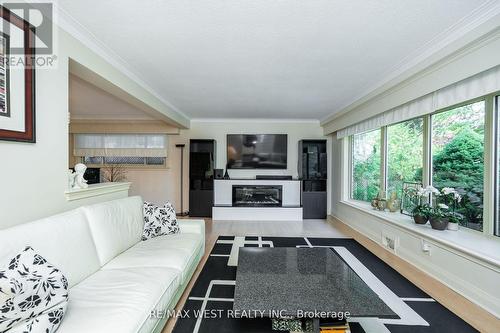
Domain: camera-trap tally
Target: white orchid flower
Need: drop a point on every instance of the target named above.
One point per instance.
(448, 190)
(443, 206)
(422, 192)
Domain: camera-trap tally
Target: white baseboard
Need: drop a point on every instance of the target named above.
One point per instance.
(257, 213)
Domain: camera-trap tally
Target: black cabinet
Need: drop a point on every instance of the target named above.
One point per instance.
(201, 177)
(313, 170)
(314, 205)
(201, 203)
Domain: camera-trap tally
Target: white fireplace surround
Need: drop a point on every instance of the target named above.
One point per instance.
(223, 199)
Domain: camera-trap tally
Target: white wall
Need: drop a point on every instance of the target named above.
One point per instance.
(33, 177)
(159, 186)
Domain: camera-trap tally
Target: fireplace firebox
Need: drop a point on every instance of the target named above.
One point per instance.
(257, 195)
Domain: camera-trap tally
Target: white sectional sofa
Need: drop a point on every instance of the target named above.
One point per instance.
(115, 279)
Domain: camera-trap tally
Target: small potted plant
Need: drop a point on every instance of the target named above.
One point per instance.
(422, 211)
(451, 197)
(439, 217)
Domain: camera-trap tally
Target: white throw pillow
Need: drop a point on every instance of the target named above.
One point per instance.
(159, 221)
(34, 294)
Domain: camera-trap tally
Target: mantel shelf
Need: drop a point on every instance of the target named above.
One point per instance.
(95, 190)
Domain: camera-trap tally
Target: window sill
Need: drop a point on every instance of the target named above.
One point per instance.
(472, 243)
(95, 190)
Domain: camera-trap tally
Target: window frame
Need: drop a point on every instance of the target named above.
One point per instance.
(386, 150)
(496, 170)
(81, 159)
(351, 164)
(491, 204)
(486, 198)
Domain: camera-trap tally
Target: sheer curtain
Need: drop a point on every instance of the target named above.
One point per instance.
(130, 145)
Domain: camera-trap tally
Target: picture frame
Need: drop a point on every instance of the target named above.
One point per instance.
(4, 75)
(409, 197)
(17, 85)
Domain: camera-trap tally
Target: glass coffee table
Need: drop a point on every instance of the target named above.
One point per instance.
(301, 283)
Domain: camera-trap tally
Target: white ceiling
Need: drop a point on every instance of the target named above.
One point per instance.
(267, 58)
(88, 102)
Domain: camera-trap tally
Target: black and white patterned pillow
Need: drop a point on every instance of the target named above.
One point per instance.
(34, 294)
(159, 221)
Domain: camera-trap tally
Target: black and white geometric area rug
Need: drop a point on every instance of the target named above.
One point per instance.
(213, 292)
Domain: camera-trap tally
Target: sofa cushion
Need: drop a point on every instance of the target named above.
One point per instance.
(64, 240)
(159, 221)
(119, 300)
(115, 225)
(37, 292)
(192, 226)
(174, 251)
(47, 322)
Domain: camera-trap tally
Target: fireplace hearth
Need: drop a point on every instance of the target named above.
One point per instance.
(257, 195)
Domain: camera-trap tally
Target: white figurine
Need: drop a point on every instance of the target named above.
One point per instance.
(71, 179)
(79, 181)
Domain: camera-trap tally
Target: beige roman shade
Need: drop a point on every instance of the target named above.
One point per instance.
(130, 145)
(476, 86)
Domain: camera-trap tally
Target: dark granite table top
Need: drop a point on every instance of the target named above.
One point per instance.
(291, 280)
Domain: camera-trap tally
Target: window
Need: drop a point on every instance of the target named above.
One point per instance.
(404, 154)
(457, 147)
(366, 159)
(458, 158)
(125, 149)
(497, 150)
(125, 160)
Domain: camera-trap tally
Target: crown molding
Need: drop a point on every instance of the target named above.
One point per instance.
(459, 39)
(256, 120)
(69, 24)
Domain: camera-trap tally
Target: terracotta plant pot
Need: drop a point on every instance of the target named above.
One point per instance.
(453, 226)
(439, 223)
(420, 219)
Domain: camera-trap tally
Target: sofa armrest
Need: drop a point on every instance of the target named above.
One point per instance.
(192, 226)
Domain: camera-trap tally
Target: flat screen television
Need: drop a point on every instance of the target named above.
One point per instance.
(257, 151)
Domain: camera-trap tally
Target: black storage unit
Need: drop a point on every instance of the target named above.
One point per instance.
(201, 177)
(313, 169)
(93, 175)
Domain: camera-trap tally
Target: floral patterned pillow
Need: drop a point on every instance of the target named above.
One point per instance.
(34, 294)
(159, 221)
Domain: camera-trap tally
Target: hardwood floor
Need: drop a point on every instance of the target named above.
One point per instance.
(331, 228)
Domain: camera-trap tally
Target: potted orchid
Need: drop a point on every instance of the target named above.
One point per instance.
(442, 216)
(422, 211)
(451, 197)
(439, 217)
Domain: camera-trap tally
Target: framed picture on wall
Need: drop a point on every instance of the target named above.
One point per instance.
(17, 78)
(4, 76)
